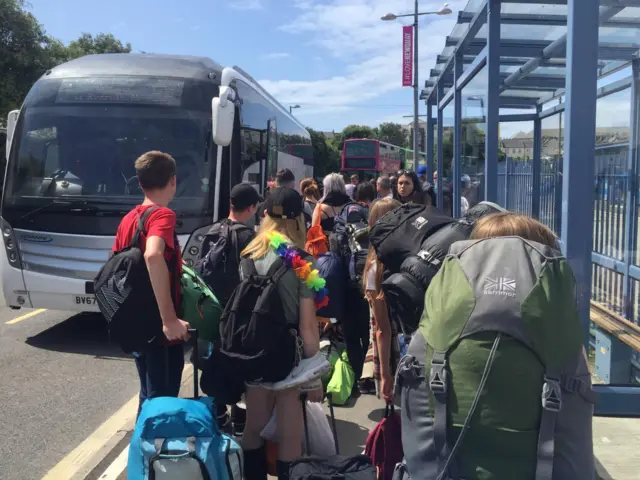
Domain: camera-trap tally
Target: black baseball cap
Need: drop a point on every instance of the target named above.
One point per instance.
(244, 196)
(284, 202)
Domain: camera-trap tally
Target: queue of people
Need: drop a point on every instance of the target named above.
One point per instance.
(269, 350)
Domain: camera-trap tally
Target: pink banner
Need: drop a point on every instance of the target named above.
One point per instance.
(407, 56)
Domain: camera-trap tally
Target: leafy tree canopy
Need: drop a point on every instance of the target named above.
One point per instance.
(26, 52)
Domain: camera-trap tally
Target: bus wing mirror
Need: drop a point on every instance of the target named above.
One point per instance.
(12, 120)
(222, 116)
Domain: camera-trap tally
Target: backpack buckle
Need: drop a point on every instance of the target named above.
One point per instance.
(438, 374)
(551, 394)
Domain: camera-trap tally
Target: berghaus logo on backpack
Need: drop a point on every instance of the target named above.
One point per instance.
(500, 286)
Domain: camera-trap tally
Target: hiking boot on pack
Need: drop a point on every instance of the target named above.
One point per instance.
(307, 370)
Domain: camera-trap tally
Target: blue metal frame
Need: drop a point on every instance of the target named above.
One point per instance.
(632, 194)
(536, 169)
(457, 138)
(586, 58)
(493, 102)
(579, 164)
(429, 146)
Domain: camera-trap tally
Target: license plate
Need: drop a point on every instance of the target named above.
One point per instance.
(85, 299)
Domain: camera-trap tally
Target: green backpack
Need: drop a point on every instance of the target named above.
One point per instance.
(495, 384)
(342, 380)
(199, 306)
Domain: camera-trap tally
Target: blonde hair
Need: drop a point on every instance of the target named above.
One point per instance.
(508, 224)
(379, 208)
(294, 229)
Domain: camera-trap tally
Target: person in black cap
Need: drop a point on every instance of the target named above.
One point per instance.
(219, 262)
(283, 214)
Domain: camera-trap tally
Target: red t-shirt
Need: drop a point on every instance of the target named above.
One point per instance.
(161, 223)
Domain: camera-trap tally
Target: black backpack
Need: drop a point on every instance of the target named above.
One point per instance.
(350, 240)
(220, 258)
(125, 296)
(399, 233)
(257, 342)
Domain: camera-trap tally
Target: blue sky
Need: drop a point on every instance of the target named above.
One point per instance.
(335, 58)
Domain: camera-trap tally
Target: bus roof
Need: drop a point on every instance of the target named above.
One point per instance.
(138, 64)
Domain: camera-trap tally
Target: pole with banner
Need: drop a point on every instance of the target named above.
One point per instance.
(407, 56)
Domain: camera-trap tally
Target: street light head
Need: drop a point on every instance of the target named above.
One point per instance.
(389, 16)
(445, 10)
(295, 106)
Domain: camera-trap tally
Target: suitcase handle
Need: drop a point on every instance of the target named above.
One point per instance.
(196, 384)
(303, 400)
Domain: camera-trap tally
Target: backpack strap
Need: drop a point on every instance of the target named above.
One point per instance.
(277, 270)
(551, 405)
(142, 219)
(438, 384)
(248, 267)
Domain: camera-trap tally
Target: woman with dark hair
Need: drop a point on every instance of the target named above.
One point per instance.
(410, 189)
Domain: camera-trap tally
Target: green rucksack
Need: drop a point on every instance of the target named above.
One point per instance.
(495, 384)
(199, 306)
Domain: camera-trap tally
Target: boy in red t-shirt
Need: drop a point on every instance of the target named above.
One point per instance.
(160, 365)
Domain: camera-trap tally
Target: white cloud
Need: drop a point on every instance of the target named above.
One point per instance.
(276, 55)
(368, 50)
(246, 4)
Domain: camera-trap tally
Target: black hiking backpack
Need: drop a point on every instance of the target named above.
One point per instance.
(125, 296)
(220, 257)
(350, 240)
(256, 342)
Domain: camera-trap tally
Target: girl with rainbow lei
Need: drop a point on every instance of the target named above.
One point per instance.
(301, 267)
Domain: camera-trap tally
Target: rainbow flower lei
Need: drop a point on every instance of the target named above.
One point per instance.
(302, 268)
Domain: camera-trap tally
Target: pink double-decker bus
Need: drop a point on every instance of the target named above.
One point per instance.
(369, 157)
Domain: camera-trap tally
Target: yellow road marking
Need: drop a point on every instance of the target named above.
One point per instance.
(84, 457)
(118, 466)
(26, 315)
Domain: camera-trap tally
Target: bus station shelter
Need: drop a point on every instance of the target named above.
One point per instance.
(539, 101)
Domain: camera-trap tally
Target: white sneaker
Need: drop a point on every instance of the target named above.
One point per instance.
(307, 370)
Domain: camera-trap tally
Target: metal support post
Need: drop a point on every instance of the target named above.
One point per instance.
(579, 157)
(430, 143)
(457, 136)
(631, 200)
(493, 102)
(536, 165)
(416, 93)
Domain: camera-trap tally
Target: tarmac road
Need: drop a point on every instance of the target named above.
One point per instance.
(59, 380)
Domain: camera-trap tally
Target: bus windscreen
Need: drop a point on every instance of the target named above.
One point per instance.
(360, 148)
(359, 163)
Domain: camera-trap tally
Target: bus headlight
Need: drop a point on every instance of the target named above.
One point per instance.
(191, 251)
(10, 244)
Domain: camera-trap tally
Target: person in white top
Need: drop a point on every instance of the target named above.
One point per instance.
(383, 186)
(351, 187)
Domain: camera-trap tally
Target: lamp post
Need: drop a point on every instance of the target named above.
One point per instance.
(445, 10)
(291, 107)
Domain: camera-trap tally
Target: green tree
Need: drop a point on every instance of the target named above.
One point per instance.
(101, 43)
(354, 131)
(22, 56)
(325, 154)
(392, 133)
(26, 52)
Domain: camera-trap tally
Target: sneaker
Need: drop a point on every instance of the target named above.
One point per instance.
(307, 370)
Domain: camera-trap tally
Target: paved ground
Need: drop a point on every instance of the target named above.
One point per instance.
(68, 400)
(59, 380)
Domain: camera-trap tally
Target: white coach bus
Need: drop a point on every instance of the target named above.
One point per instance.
(71, 149)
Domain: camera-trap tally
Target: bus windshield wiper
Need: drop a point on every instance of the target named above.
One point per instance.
(44, 207)
(76, 206)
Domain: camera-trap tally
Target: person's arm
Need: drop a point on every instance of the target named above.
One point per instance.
(309, 327)
(317, 215)
(383, 334)
(173, 327)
